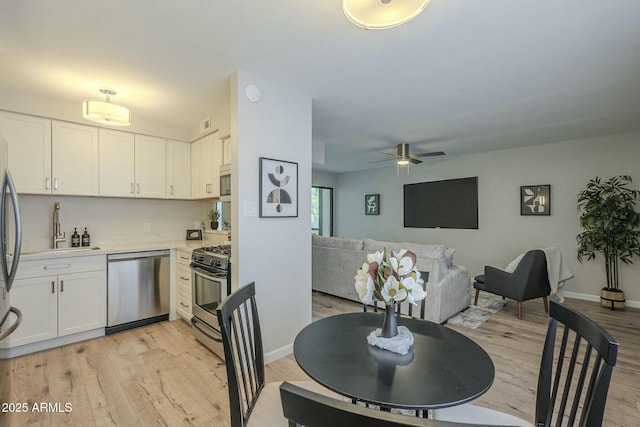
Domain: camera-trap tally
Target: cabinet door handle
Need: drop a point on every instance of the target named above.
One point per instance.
(184, 305)
(56, 267)
(61, 285)
(184, 257)
(53, 287)
(171, 192)
(55, 184)
(184, 278)
(132, 188)
(138, 187)
(47, 183)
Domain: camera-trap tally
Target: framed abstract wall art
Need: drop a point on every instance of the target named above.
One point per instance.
(372, 204)
(278, 188)
(535, 200)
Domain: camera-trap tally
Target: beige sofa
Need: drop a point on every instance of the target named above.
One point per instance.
(336, 260)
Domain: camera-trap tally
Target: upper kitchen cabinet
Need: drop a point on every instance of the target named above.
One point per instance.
(132, 165)
(117, 163)
(151, 164)
(223, 122)
(226, 149)
(178, 170)
(74, 159)
(206, 158)
(51, 157)
(29, 151)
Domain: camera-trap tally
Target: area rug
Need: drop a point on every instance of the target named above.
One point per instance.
(476, 315)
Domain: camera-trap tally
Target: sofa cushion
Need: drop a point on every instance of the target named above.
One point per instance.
(336, 242)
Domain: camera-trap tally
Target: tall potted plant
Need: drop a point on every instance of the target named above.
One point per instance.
(611, 227)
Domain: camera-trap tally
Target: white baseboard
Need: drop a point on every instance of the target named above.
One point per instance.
(596, 298)
(278, 353)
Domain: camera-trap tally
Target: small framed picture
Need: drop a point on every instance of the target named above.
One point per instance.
(278, 188)
(535, 200)
(372, 204)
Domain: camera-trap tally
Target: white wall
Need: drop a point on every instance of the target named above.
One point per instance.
(273, 252)
(108, 220)
(60, 110)
(502, 233)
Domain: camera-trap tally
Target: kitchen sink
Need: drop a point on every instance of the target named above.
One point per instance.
(59, 251)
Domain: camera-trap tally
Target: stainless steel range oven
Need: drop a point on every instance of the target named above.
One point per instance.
(211, 282)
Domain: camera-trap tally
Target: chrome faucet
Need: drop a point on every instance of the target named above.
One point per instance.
(57, 237)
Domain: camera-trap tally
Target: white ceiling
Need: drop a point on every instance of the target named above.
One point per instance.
(464, 76)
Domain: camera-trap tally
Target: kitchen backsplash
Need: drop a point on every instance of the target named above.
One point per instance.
(109, 220)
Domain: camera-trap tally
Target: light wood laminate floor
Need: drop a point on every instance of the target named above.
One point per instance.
(160, 375)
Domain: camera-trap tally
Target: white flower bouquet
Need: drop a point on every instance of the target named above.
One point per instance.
(390, 277)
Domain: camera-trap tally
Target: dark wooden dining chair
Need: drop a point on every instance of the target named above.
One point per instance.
(572, 385)
(252, 402)
(306, 408)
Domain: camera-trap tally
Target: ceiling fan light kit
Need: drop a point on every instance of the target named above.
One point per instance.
(106, 113)
(382, 14)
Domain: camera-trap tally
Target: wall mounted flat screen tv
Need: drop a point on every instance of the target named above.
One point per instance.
(452, 203)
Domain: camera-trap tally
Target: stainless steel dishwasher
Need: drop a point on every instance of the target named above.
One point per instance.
(137, 289)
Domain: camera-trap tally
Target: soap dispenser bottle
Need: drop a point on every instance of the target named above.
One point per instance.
(75, 239)
(85, 238)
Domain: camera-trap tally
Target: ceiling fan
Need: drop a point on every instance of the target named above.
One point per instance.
(402, 156)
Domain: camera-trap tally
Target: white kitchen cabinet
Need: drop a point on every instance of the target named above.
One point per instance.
(74, 159)
(195, 170)
(178, 170)
(117, 163)
(38, 301)
(51, 157)
(59, 297)
(29, 151)
(226, 149)
(184, 292)
(82, 302)
(132, 165)
(150, 166)
(207, 174)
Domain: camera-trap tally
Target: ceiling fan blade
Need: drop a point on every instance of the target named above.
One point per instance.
(415, 161)
(432, 154)
(388, 154)
(383, 160)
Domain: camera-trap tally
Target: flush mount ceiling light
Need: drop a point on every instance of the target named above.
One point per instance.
(105, 112)
(382, 14)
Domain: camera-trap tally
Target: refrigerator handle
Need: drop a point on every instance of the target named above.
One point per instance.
(14, 325)
(9, 275)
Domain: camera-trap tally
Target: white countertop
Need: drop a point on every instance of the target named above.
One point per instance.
(187, 245)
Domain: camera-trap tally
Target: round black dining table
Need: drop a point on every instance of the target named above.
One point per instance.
(444, 368)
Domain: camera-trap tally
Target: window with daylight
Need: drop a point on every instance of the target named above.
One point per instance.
(322, 211)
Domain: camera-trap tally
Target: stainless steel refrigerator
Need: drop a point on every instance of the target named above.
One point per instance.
(10, 243)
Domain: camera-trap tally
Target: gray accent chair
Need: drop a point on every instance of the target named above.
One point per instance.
(528, 281)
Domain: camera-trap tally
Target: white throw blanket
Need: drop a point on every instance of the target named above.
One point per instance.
(556, 269)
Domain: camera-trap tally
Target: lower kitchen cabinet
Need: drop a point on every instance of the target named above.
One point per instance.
(56, 304)
(183, 289)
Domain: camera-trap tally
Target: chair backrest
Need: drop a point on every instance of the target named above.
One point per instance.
(532, 267)
(243, 353)
(303, 407)
(422, 304)
(577, 378)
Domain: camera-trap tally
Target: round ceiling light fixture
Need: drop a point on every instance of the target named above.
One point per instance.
(382, 14)
(105, 112)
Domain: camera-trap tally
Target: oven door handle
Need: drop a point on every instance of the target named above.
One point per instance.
(206, 274)
(194, 322)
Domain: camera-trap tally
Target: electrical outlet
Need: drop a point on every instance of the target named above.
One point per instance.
(147, 226)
